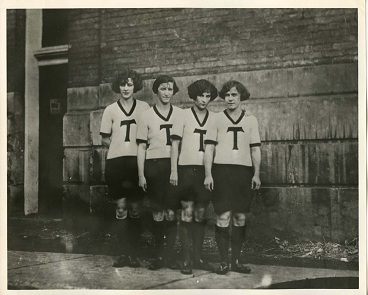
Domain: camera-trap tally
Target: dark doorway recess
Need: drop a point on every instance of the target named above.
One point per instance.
(53, 93)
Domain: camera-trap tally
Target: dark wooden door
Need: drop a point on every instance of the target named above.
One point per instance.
(53, 99)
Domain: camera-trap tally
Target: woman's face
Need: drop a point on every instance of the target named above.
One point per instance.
(232, 99)
(127, 89)
(203, 100)
(165, 92)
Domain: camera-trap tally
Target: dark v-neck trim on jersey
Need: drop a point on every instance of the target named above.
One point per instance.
(231, 119)
(131, 110)
(197, 119)
(161, 116)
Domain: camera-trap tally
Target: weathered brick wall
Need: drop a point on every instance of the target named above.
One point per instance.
(84, 55)
(186, 42)
(15, 38)
(300, 67)
(15, 108)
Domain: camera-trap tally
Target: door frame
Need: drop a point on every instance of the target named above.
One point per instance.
(35, 57)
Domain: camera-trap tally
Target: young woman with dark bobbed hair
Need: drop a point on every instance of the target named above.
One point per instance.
(232, 147)
(154, 148)
(187, 172)
(118, 131)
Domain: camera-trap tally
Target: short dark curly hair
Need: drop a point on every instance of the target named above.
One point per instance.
(201, 86)
(123, 77)
(164, 79)
(244, 93)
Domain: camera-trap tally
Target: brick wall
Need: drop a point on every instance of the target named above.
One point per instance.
(300, 66)
(16, 19)
(15, 108)
(84, 55)
(186, 42)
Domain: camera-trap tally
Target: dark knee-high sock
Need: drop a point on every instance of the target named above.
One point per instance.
(122, 235)
(198, 237)
(170, 233)
(185, 234)
(135, 231)
(222, 240)
(237, 240)
(158, 233)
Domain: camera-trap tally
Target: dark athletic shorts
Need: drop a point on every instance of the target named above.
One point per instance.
(121, 175)
(159, 189)
(232, 188)
(191, 185)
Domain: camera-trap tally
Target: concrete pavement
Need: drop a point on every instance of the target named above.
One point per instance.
(46, 270)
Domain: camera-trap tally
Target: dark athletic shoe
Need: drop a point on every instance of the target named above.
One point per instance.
(121, 262)
(187, 269)
(158, 263)
(200, 264)
(133, 262)
(238, 267)
(223, 269)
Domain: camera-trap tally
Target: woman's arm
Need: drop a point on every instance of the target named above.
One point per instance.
(174, 162)
(141, 158)
(106, 141)
(255, 153)
(208, 160)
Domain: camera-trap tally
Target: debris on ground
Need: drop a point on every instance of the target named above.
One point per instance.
(349, 251)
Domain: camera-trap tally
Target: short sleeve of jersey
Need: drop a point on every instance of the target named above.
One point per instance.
(142, 128)
(178, 127)
(254, 133)
(211, 137)
(106, 123)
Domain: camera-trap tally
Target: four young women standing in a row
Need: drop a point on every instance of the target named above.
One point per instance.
(169, 153)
